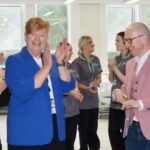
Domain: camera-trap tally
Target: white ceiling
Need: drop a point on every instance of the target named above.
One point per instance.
(75, 1)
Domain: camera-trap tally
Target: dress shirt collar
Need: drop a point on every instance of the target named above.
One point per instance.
(143, 58)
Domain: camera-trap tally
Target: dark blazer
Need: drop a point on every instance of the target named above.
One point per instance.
(29, 112)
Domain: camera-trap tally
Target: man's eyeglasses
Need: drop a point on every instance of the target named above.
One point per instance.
(129, 41)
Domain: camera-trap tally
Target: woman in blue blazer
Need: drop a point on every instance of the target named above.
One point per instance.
(36, 112)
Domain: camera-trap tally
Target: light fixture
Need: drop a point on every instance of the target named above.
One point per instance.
(48, 13)
(130, 1)
(55, 23)
(69, 1)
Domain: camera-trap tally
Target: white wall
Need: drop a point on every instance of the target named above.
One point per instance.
(85, 17)
(89, 19)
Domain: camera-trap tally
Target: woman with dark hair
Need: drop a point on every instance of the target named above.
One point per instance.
(117, 77)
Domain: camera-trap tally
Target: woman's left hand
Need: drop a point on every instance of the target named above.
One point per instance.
(47, 62)
(61, 51)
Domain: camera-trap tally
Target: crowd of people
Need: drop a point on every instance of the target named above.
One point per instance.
(51, 98)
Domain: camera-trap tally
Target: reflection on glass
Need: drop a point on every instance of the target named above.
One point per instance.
(123, 17)
(10, 28)
(57, 17)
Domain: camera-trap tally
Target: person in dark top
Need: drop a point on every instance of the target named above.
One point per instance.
(3, 84)
(117, 77)
(71, 105)
(88, 69)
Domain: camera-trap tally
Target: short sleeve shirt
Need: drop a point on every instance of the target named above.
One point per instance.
(70, 103)
(116, 84)
(85, 74)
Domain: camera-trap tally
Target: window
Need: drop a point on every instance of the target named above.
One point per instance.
(57, 17)
(10, 28)
(147, 11)
(118, 18)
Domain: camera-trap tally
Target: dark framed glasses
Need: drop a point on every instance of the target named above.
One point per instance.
(129, 40)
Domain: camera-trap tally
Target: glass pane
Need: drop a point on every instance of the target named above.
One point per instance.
(10, 28)
(148, 17)
(57, 17)
(118, 19)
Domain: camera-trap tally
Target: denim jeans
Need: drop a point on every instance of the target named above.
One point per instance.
(135, 139)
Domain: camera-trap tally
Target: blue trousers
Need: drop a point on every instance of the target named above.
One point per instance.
(135, 139)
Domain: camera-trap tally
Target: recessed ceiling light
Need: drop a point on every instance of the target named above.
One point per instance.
(131, 1)
(69, 1)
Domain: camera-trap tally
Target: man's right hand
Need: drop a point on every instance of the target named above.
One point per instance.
(119, 96)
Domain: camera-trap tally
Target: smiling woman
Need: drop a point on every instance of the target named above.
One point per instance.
(36, 34)
(33, 108)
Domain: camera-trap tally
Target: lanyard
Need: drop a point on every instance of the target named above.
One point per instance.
(122, 60)
(91, 68)
(68, 66)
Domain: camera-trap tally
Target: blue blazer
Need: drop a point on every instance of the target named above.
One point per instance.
(29, 120)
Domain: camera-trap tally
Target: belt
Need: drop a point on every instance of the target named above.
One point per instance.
(136, 123)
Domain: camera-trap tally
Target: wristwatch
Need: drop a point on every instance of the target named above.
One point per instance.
(62, 64)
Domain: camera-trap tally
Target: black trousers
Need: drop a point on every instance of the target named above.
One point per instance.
(54, 145)
(71, 130)
(88, 124)
(115, 129)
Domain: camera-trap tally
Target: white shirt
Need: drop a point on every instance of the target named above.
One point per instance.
(140, 62)
(39, 63)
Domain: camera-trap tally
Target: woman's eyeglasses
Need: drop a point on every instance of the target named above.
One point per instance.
(91, 43)
(129, 40)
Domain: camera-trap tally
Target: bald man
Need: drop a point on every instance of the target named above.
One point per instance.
(135, 92)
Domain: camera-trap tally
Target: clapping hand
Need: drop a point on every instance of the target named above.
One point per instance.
(111, 64)
(61, 51)
(47, 62)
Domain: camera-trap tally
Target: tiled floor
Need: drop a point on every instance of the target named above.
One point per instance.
(102, 132)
